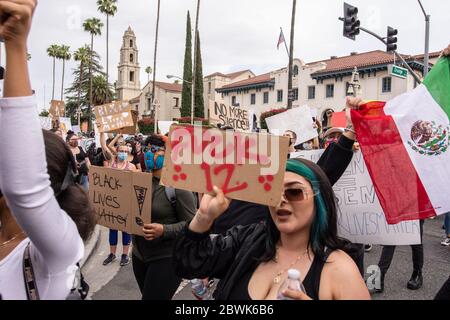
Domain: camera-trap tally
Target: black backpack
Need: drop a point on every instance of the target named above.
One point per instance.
(172, 197)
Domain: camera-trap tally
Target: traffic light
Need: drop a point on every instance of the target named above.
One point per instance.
(391, 40)
(351, 22)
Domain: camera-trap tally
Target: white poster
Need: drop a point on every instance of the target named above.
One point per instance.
(361, 218)
(65, 124)
(297, 120)
(164, 126)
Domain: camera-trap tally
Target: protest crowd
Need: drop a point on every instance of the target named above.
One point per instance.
(230, 242)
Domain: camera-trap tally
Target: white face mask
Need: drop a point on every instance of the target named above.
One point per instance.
(307, 146)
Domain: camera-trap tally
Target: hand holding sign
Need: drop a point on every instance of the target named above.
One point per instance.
(153, 231)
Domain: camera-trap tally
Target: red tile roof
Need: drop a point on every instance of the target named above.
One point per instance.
(360, 60)
(229, 75)
(432, 55)
(173, 87)
(255, 80)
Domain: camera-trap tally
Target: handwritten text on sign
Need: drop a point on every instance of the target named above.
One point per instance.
(246, 166)
(235, 117)
(121, 199)
(361, 218)
(116, 116)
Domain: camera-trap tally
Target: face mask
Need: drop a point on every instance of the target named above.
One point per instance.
(154, 162)
(122, 156)
(307, 146)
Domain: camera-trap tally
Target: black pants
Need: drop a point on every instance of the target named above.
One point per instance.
(157, 279)
(417, 255)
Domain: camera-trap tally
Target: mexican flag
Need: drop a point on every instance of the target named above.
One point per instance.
(405, 144)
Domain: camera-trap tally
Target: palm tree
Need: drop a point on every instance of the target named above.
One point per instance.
(148, 71)
(52, 52)
(94, 27)
(82, 56)
(101, 90)
(109, 8)
(64, 54)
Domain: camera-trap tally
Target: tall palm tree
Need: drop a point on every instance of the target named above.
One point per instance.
(52, 52)
(82, 55)
(148, 71)
(64, 54)
(109, 8)
(155, 111)
(94, 27)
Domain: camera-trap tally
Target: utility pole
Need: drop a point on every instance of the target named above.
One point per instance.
(195, 63)
(426, 61)
(154, 73)
(291, 57)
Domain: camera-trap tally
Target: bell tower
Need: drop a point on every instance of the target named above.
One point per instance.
(128, 83)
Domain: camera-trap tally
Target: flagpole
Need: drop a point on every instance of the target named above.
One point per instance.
(285, 43)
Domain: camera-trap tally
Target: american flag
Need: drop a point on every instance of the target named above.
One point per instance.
(281, 39)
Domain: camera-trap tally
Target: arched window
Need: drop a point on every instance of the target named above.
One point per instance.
(131, 57)
(131, 43)
(295, 71)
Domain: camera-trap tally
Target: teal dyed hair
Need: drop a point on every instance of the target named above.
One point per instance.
(320, 223)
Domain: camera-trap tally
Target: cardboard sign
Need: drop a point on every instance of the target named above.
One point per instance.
(338, 120)
(57, 109)
(360, 216)
(116, 117)
(164, 126)
(235, 117)
(246, 166)
(122, 199)
(297, 120)
(65, 124)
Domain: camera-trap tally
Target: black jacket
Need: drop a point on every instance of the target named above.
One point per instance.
(228, 257)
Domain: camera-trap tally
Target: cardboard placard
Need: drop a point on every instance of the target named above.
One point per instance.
(246, 166)
(46, 123)
(116, 117)
(57, 109)
(235, 117)
(65, 124)
(360, 216)
(122, 199)
(297, 120)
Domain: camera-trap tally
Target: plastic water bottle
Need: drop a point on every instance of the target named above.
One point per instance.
(199, 290)
(293, 283)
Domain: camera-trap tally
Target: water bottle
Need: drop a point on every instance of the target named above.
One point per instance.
(293, 282)
(199, 290)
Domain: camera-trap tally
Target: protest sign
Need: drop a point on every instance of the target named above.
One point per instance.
(46, 123)
(122, 200)
(297, 120)
(57, 109)
(236, 117)
(116, 117)
(164, 126)
(360, 216)
(65, 124)
(338, 120)
(246, 166)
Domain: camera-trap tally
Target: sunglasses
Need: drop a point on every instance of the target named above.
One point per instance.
(298, 194)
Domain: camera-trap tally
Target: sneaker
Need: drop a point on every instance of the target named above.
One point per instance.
(446, 242)
(368, 248)
(109, 259)
(125, 260)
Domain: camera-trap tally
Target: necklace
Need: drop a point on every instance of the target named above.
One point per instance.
(277, 278)
(12, 239)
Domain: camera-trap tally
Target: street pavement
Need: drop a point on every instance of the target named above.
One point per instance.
(118, 283)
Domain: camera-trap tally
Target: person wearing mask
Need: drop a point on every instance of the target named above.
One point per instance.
(292, 139)
(44, 215)
(141, 155)
(153, 254)
(252, 261)
(82, 160)
(120, 162)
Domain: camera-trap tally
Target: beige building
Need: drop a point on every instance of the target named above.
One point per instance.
(128, 83)
(167, 100)
(323, 85)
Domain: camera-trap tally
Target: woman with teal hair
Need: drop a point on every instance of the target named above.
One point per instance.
(252, 261)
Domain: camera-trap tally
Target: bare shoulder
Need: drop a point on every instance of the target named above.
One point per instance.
(342, 279)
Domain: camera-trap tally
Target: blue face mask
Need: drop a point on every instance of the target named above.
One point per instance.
(152, 161)
(122, 156)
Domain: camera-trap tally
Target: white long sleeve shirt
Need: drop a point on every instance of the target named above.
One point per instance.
(56, 245)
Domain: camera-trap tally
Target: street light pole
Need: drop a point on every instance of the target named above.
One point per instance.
(194, 76)
(426, 61)
(154, 72)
